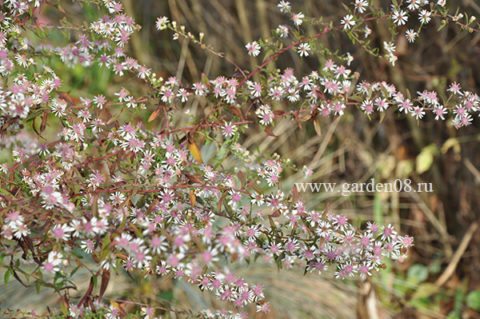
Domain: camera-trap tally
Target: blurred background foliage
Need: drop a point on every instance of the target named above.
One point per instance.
(441, 278)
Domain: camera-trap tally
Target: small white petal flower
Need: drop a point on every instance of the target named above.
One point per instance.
(253, 48)
(161, 23)
(348, 21)
(303, 49)
(411, 35)
(400, 17)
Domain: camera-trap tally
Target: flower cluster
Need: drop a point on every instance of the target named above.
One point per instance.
(146, 200)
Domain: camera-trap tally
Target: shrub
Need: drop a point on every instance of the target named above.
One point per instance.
(116, 193)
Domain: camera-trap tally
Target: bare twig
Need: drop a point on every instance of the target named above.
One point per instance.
(457, 256)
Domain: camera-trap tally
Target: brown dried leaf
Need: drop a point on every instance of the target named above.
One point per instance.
(104, 283)
(193, 198)
(154, 115)
(305, 118)
(44, 121)
(269, 132)
(236, 111)
(193, 178)
(295, 194)
(88, 293)
(242, 178)
(325, 212)
(195, 152)
(35, 129)
(220, 202)
(275, 214)
(65, 96)
(254, 185)
(316, 126)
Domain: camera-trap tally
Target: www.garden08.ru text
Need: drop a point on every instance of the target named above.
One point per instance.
(371, 186)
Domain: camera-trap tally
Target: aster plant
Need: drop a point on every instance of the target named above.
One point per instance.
(111, 194)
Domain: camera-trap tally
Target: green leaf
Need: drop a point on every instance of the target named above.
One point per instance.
(420, 303)
(356, 98)
(417, 273)
(473, 300)
(105, 251)
(451, 143)
(38, 283)
(444, 24)
(94, 281)
(425, 158)
(459, 299)
(404, 168)
(6, 276)
(425, 290)
(166, 295)
(5, 192)
(74, 271)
